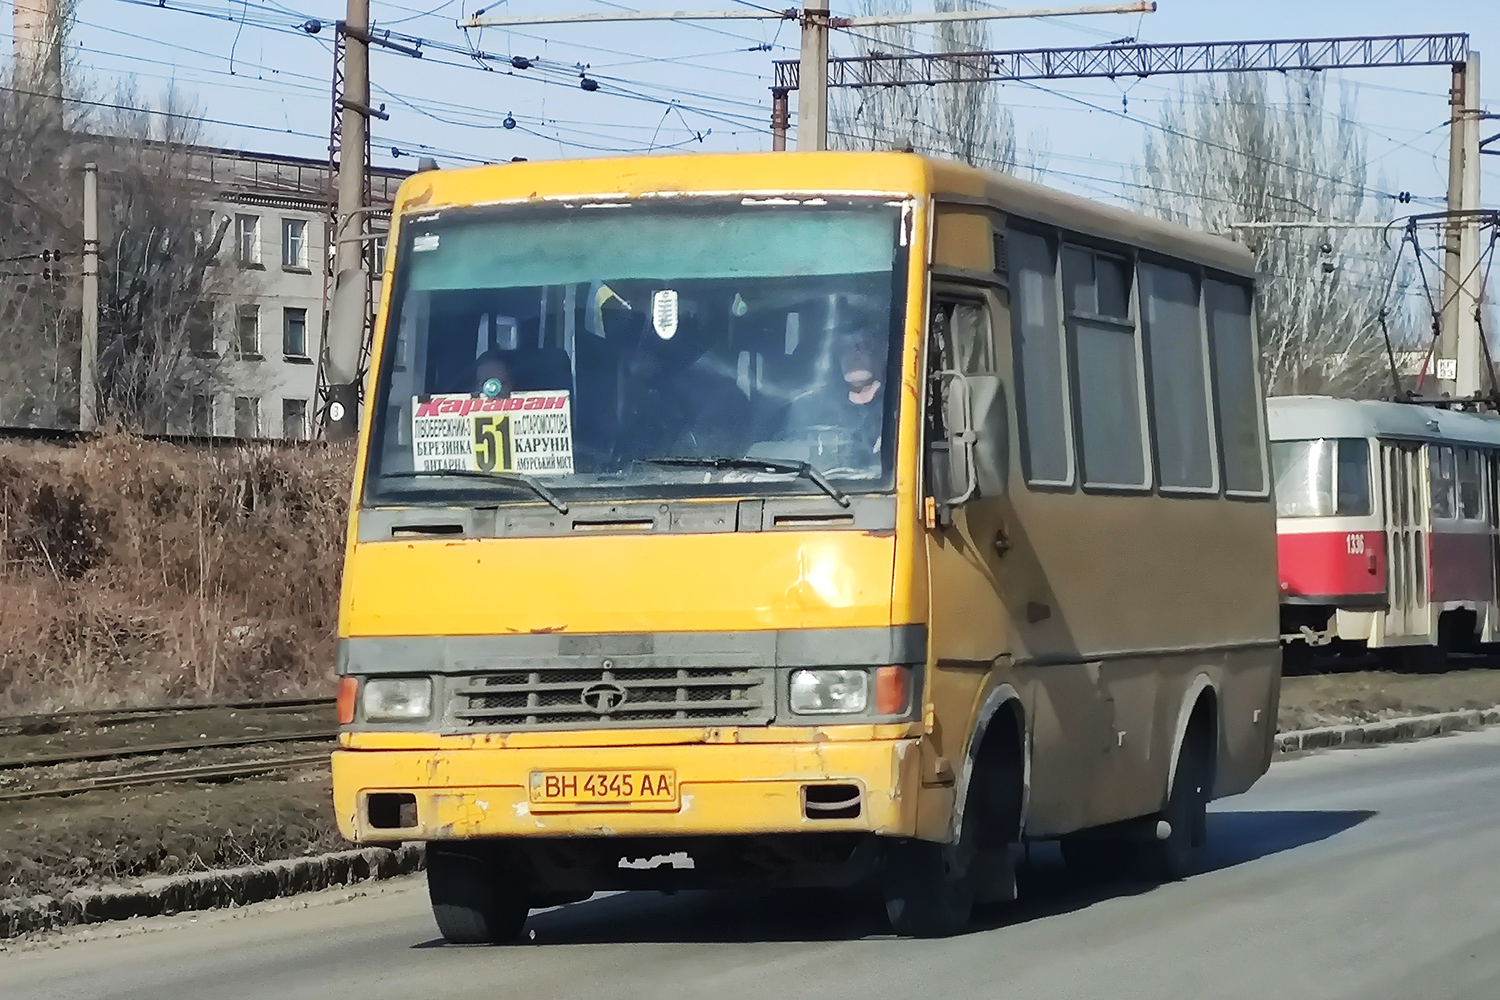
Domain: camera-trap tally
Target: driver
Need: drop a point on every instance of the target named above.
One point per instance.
(850, 403)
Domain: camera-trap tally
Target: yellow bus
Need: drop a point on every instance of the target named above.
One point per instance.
(814, 519)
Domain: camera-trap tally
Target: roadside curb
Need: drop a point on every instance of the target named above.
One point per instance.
(208, 890)
(229, 887)
(1416, 727)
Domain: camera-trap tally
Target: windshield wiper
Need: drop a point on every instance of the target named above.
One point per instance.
(508, 478)
(804, 469)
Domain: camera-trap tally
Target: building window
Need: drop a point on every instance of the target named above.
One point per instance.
(1236, 386)
(202, 416)
(247, 234)
(247, 335)
(200, 327)
(377, 254)
(246, 417)
(294, 243)
(1096, 291)
(1179, 378)
(294, 332)
(294, 419)
(1039, 359)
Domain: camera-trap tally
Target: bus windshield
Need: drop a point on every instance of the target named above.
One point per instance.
(640, 350)
(1322, 477)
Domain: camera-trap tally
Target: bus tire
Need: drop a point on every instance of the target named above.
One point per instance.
(927, 893)
(475, 900)
(1171, 858)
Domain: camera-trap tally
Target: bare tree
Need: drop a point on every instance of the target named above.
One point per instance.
(163, 270)
(960, 121)
(157, 270)
(1233, 150)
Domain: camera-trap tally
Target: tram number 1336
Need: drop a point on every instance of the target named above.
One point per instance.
(1354, 544)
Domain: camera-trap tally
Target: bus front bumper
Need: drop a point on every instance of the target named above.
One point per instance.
(721, 789)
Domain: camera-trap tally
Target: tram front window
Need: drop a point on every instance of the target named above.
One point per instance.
(1322, 477)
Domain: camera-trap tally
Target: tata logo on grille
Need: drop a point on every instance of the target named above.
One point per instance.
(603, 697)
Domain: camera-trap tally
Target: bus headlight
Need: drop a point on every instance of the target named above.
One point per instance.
(394, 699)
(829, 692)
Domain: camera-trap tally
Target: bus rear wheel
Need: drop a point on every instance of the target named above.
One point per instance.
(928, 891)
(1171, 858)
(475, 899)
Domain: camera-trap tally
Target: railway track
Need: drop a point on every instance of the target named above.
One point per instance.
(151, 749)
(204, 772)
(40, 743)
(110, 715)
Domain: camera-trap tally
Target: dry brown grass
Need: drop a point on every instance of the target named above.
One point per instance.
(143, 572)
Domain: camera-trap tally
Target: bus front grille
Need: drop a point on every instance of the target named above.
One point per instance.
(614, 698)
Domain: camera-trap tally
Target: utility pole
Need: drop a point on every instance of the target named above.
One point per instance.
(812, 96)
(1460, 356)
(344, 340)
(88, 354)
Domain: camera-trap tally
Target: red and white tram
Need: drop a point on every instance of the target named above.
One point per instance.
(1386, 525)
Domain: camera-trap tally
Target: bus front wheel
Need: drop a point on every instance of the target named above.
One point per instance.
(475, 899)
(928, 891)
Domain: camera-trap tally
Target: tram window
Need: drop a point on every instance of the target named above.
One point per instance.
(1440, 474)
(1038, 347)
(1236, 385)
(1353, 479)
(1108, 361)
(1323, 477)
(1179, 380)
(1470, 484)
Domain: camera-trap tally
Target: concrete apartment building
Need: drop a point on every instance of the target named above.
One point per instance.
(267, 335)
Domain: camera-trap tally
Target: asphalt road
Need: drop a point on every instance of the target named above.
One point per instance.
(1358, 873)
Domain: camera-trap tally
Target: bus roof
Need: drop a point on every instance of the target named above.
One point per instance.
(1293, 418)
(769, 174)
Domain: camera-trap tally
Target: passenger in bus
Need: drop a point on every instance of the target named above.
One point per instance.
(492, 377)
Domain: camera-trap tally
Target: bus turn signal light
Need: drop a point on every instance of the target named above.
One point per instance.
(892, 690)
(348, 691)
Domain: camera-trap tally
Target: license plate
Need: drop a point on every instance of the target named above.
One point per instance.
(638, 789)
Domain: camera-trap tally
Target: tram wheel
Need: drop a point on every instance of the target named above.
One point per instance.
(475, 900)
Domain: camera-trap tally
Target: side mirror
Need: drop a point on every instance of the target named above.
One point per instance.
(951, 473)
(972, 460)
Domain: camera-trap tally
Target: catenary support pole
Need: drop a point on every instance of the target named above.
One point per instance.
(345, 340)
(88, 353)
(812, 95)
(1459, 358)
(779, 115)
(1472, 378)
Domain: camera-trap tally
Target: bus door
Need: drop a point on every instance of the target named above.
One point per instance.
(967, 627)
(1402, 470)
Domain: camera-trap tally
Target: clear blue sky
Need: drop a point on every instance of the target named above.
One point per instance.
(690, 87)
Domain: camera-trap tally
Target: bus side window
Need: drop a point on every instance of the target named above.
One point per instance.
(1177, 345)
(1236, 386)
(1037, 343)
(1107, 360)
